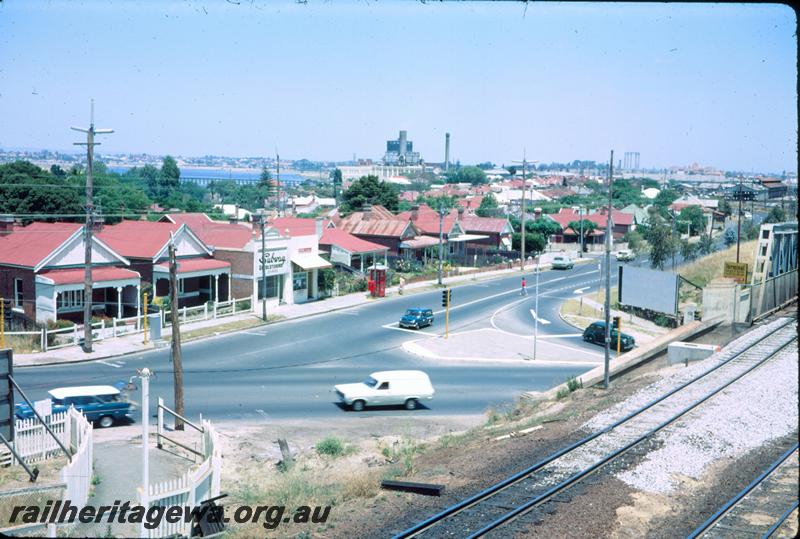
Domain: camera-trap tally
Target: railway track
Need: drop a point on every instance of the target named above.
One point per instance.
(551, 478)
(761, 508)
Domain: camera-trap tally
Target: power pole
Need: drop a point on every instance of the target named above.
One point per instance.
(88, 227)
(441, 240)
(281, 207)
(522, 217)
(739, 224)
(177, 361)
(608, 273)
(263, 260)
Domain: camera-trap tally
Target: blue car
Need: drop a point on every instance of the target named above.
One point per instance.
(103, 405)
(416, 318)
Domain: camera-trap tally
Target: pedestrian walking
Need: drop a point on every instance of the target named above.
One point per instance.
(524, 291)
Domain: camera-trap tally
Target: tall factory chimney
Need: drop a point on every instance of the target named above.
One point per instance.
(446, 151)
(403, 144)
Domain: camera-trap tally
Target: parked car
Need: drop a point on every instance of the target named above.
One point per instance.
(596, 333)
(387, 388)
(625, 255)
(562, 262)
(416, 318)
(103, 405)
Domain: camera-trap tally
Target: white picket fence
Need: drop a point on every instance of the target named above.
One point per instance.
(53, 339)
(199, 483)
(33, 444)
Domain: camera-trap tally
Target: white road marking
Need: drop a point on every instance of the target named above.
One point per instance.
(254, 333)
(109, 364)
(561, 336)
(580, 290)
(540, 320)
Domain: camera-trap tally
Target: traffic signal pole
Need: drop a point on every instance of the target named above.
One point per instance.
(446, 297)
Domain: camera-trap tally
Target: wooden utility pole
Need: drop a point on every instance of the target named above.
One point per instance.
(608, 273)
(177, 362)
(88, 227)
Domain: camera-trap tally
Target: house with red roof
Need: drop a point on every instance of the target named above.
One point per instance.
(378, 225)
(42, 271)
(568, 235)
(201, 278)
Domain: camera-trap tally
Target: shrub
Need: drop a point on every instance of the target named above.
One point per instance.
(330, 446)
(574, 384)
(563, 392)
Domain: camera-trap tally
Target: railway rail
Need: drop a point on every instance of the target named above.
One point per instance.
(761, 508)
(510, 499)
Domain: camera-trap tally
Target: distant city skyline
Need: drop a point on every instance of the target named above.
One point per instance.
(708, 83)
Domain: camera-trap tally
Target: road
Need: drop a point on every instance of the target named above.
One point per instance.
(287, 370)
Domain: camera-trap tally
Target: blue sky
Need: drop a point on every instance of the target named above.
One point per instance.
(713, 84)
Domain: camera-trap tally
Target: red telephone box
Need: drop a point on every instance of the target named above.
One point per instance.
(377, 280)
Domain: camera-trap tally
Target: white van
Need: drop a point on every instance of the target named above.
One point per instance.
(386, 388)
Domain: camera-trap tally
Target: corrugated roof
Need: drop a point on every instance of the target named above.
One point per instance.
(214, 233)
(99, 274)
(347, 241)
(483, 224)
(189, 265)
(28, 246)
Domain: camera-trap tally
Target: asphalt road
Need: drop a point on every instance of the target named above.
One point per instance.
(287, 370)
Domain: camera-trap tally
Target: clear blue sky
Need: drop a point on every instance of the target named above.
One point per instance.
(713, 84)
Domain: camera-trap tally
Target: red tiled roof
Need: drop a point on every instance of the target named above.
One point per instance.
(28, 246)
(347, 241)
(99, 274)
(137, 239)
(214, 233)
(386, 228)
(619, 217)
(189, 265)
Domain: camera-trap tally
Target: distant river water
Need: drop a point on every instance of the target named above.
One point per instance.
(222, 174)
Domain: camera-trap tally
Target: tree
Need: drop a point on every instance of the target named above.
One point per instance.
(588, 227)
(662, 243)
(635, 241)
(705, 245)
(512, 170)
(693, 214)
(488, 207)
(264, 178)
(665, 197)
(27, 189)
(730, 237)
(534, 242)
(624, 194)
(170, 175)
(776, 215)
(472, 175)
(688, 250)
(544, 226)
(369, 190)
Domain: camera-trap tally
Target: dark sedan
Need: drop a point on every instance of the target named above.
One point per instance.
(416, 318)
(596, 333)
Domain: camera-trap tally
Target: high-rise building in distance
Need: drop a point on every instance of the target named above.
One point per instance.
(401, 151)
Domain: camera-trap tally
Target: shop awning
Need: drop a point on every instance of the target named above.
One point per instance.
(466, 237)
(309, 261)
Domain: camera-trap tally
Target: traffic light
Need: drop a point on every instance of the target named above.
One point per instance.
(446, 298)
(615, 323)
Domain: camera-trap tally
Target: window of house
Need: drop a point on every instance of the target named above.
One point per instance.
(180, 287)
(18, 296)
(272, 288)
(70, 299)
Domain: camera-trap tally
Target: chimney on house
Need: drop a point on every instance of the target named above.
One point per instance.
(414, 212)
(366, 209)
(6, 225)
(537, 212)
(460, 212)
(318, 226)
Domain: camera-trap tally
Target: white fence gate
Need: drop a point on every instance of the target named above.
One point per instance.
(199, 483)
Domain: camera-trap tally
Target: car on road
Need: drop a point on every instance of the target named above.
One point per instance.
(562, 262)
(596, 333)
(103, 405)
(385, 388)
(416, 318)
(625, 255)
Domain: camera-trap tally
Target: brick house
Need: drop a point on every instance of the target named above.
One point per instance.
(42, 272)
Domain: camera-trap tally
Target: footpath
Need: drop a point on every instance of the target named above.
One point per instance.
(133, 344)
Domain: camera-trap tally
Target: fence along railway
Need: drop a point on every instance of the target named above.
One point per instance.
(503, 503)
(762, 508)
